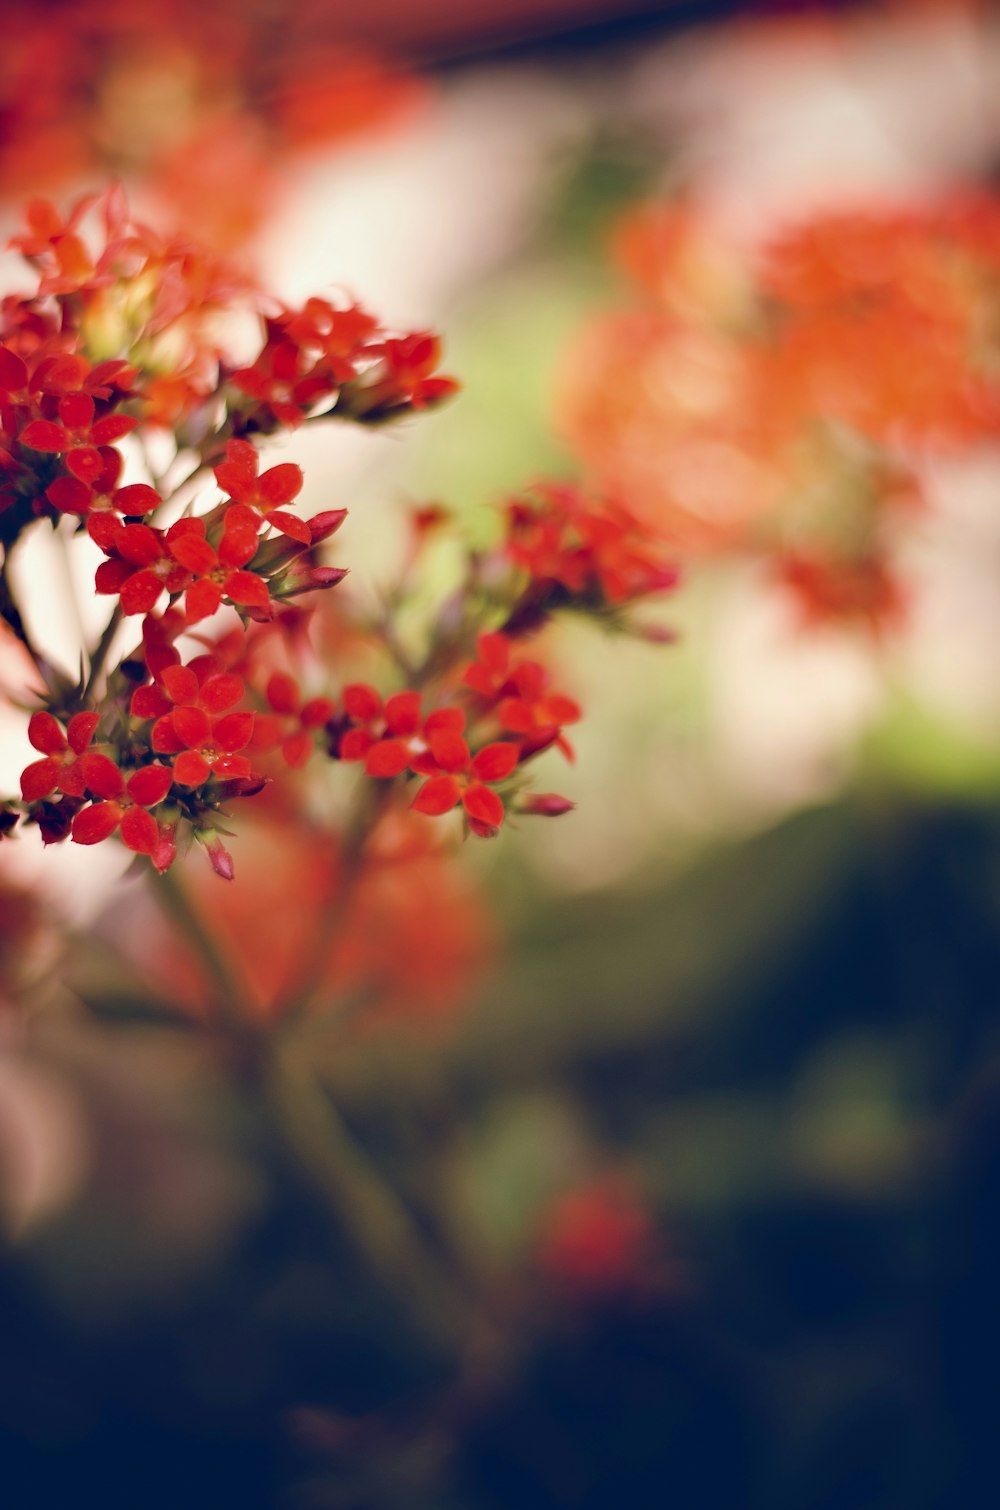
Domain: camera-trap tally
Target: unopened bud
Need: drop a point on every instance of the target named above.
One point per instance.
(165, 853)
(312, 579)
(546, 805)
(221, 860)
(654, 634)
(322, 526)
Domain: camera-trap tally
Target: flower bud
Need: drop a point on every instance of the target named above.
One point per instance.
(221, 860)
(546, 805)
(322, 526)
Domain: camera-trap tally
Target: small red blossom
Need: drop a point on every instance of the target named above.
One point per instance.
(392, 736)
(597, 1240)
(140, 566)
(57, 245)
(78, 435)
(126, 812)
(68, 764)
(292, 723)
(597, 552)
(198, 729)
(102, 496)
(403, 378)
(828, 591)
(282, 380)
(217, 573)
(240, 477)
(463, 778)
(518, 691)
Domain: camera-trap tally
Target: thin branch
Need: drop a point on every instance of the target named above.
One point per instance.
(101, 651)
(368, 1210)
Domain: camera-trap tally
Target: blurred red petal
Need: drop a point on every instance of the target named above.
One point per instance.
(437, 796)
(389, 757)
(483, 804)
(495, 761)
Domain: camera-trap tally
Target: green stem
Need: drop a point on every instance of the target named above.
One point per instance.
(374, 1218)
(101, 651)
(334, 905)
(229, 990)
(365, 1207)
(11, 615)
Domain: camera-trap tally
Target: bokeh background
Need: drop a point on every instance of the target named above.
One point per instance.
(702, 1083)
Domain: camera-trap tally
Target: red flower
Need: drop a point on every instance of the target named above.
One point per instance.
(390, 737)
(238, 476)
(342, 336)
(78, 435)
(126, 811)
(828, 590)
(461, 777)
(140, 567)
(205, 743)
(69, 765)
(402, 379)
(217, 573)
(597, 1240)
(597, 551)
(283, 380)
(57, 243)
(385, 726)
(524, 706)
(295, 722)
(101, 501)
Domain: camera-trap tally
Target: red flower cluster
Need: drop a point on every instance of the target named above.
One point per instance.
(511, 699)
(216, 681)
(320, 358)
(596, 553)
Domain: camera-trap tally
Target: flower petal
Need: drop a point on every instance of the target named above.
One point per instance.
(483, 804)
(193, 726)
(290, 525)
(439, 795)
(45, 734)
(191, 769)
(140, 592)
(449, 750)
(180, 684)
(80, 730)
(389, 757)
(150, 785)
(101, 775)
(361, 702)
(96, 823)
(280, 484)
(221, 691)
(139, 831)
(38, 779)
(402, 712)
(495, 761)
(233, 732)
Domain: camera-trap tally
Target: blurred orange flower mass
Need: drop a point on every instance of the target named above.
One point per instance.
(202, 103)
(781, 398)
